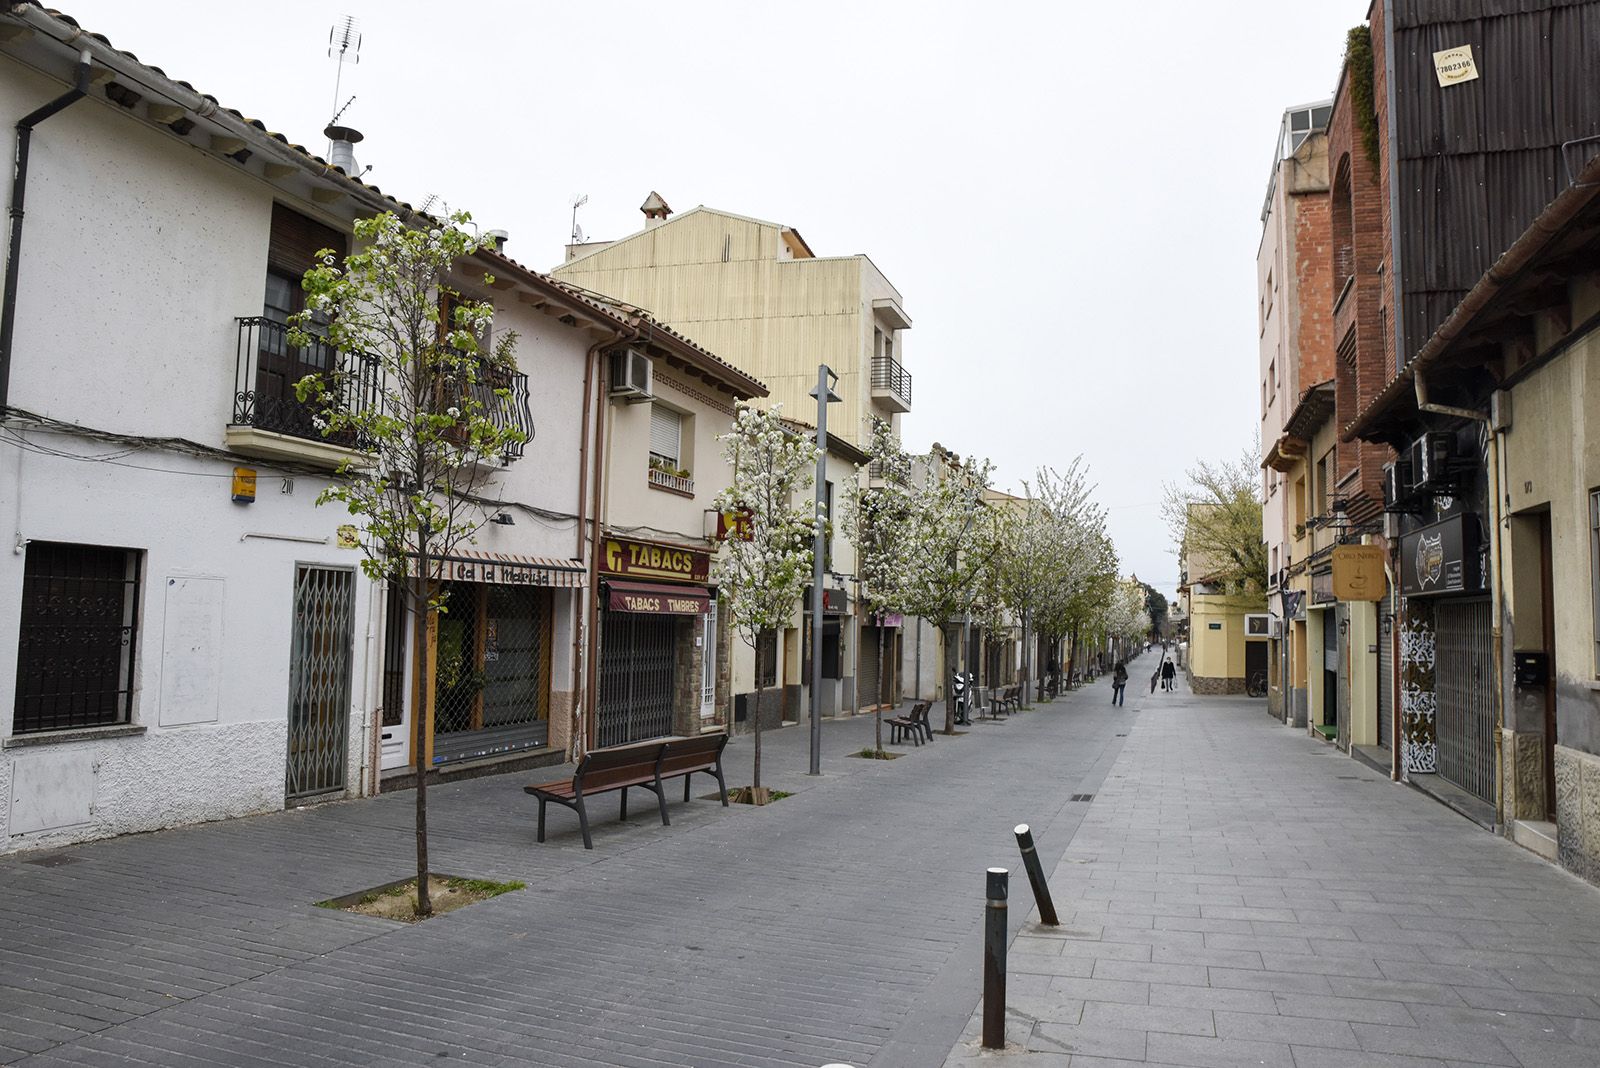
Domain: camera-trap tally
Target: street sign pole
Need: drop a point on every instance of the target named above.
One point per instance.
(825, 395)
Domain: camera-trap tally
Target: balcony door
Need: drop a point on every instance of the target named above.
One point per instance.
(293, 249)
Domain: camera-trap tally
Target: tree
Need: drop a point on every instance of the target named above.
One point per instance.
(417, 395)
(952, 539)
(761, 574)
(1216, 523)
(1126, 619)
(878, 521)
(1155, 603)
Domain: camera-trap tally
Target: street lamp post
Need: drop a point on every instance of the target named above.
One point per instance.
(825, 396)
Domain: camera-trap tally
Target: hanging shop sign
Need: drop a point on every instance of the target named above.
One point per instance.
(639, 559)
(736, 524)
(1442, 558)
(657, 600)
(1358, 573)
(834, 602)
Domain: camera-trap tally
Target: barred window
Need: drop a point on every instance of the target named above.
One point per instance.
(78, 637)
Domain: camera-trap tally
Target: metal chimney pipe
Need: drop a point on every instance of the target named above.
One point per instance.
(342, 148)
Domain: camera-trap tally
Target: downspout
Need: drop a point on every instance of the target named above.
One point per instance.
(19, 191)
(1496, 592)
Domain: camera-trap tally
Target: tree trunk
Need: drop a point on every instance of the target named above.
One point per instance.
(1027, 663)
(950, 680)
(419, 600)
(755, 775)
(883, 666)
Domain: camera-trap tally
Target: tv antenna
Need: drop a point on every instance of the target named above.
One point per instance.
(344, 43)
(577, 231)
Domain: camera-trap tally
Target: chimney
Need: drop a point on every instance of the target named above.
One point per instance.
(498, 239)
(655, 210)
(342, 154)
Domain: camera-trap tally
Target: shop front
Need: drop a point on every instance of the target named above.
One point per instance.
(838, 683)
(491, 653)
(659, 642)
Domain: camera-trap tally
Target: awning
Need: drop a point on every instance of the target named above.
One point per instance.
(507, 569)
(660, 600)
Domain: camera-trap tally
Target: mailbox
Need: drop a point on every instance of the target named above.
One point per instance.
(1533, 670)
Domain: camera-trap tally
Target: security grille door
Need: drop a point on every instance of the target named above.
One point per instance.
(319, 680)
(491, 676)
(637, 678)
(1385, 674)
(867, 668)
(1464, 681)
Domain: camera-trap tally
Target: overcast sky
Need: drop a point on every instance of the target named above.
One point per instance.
(1066, 194)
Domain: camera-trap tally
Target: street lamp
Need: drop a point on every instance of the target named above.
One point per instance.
(825, 396)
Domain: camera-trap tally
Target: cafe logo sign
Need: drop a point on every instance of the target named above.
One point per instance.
(1455, 65)
(642, 560)
(1430, 559)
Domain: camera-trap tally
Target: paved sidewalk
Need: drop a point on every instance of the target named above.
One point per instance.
(1241, 894)
(840, 924)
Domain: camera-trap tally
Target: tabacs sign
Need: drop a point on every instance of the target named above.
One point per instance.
(638, 559)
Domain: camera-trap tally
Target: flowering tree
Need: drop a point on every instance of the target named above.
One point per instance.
(761, 574)
(1216, 523)
(1126, 619)
(878, 521)
(416, 395)
(952, 542)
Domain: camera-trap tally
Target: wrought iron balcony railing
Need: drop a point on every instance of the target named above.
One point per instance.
(889, 376)
(266, 370)
(510, 412)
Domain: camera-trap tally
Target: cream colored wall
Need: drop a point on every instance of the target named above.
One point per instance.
(1363, 673)
(1218, 654)
(1316, 712)
(773, 317)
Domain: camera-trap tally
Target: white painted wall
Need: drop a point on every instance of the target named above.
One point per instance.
(139, 252)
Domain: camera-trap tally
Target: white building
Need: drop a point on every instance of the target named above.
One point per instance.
(174, 650)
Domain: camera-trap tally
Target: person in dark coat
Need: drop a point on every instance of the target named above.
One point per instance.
(1119, 682)
(1168, 673)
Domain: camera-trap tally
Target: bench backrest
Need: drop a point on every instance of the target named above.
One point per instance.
(602, 768)
(693, 754)
(919, 712)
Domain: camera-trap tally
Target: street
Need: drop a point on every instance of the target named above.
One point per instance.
(1218, 907)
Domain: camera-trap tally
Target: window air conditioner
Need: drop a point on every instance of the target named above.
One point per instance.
(1397, 486)
(630, 375)
(1430, 455)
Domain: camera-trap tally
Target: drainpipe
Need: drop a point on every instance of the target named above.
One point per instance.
(1496, 591)
(19, 190)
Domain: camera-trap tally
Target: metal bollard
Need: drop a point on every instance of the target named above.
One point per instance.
(1041, 889)
(994, 961)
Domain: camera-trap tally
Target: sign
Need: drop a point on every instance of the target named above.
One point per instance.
(737, 524)
(1454, 66)
(1322, 587)
(638, 559)
(244, 485)
(498, 572)
(348, 536)
(658, 600)
(892, 619)
(834, 602)
(1358, 573)
(1442, 558)
(1213, 626)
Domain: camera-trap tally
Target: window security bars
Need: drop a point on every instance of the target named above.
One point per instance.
(79, 637)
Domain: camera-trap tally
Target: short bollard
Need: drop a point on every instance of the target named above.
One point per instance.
(994, 961)
(1041, 889)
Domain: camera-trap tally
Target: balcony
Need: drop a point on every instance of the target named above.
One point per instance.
(669, 479)
(891, 384)
(270, 421)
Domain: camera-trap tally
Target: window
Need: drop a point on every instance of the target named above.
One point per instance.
(766, 659)
(75, 651)
(1325, 483)
(666, 438)
(1272, 379)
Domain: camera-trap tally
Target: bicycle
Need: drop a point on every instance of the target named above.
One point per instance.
(1257, 685)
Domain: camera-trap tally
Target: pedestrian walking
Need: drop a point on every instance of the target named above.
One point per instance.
(1119, 683)
(1168, 673)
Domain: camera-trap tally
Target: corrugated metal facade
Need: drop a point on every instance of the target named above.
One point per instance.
(1479, 160)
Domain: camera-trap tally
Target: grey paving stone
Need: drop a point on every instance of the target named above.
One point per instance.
(1434, 1042)
(1196, 1052)
(1174, 1019)
(1212, 997)
(1095, 1041)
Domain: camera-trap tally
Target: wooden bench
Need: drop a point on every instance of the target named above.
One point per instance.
(914, 726)
(621, 768)
(1008, 699)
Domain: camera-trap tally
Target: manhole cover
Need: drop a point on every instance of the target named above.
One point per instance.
(54, 860)
(1081, 797)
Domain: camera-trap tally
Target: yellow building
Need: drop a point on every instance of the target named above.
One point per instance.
(1221, 657)
(754, 293)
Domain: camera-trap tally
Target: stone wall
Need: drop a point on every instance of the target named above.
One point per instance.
(1578, 812)
(1522, 772)
(1203, 685)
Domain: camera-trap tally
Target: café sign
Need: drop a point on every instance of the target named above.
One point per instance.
(1442, 558)
(643, 560)
(1358, 573)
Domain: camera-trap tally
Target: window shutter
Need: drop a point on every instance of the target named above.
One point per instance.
(666, 428)
(296, 240)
